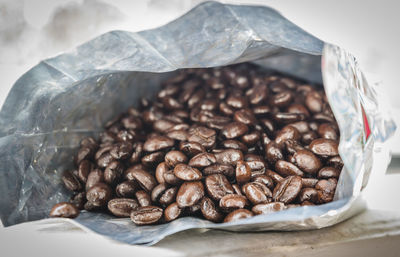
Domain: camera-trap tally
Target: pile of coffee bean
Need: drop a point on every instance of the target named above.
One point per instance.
(220, 143)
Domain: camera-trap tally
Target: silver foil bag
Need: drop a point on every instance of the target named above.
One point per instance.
(68, 97)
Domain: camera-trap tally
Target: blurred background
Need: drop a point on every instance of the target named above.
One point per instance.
(37, 29)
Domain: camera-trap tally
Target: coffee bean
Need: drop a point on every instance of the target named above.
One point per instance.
(217, 186)
(224, 169)
(282, 99)
(71, 182)
(143, 198)
(268, 208)
(94, 177)
(122, 207)
(173, 158)
(232, 201)
(172, 212)
(99, 194)
(162, 167)
(243, 172)
(286, 133)
(324, 147)
(187, 173)
(191, 148)
(234, 130)
(326, 190)
(146, 215)
(335, 162)
(257, 192)
(84, 168)
(157, 143)
(245, 116)
(121, 151)
(287, 117)
(273, 152)
(204, 136)
(309, 182)
(307, 161)
(274, 176)
(308, 194)
(209, 210)
(171, 179)
(168, 196)
(153, 159)
(202, 160)
(189, 194)
(126, 189)
(327, 131)
(288, 189)
(251, 138)
(64, 210)
(113, 172)
(144, 179)
(314, 102)
(237, 215)
(264, 179)
(298, 108)
(328, 172)
(285, 169)
(157, 192)
(137, 153)
(78, 200)
(229, 156)
(234, 144)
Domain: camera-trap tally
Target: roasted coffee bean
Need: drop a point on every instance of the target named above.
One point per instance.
(202, 160)
(288, 189)
(309, 182)
(268, 126)
(157, 192)
(204, 136)
(160, 171)
(64, 210)
(217, 186)
(234, 130)
(191, 148)
(209, 210)
(257, 167)
(84, 153)
(282, 99)
(105, 159)
(71, 182)
(126, 189)
(307, 161)
(262, 110)
(153, 159)
(285, 169)
(237, 215)
(173, 158)
(187, 173)
(168, 196)
(259, 94)
(171, 179)
(234, 144)
(146, 215)
(179, 135)
(99, 194)
(113, 172)
(251, 138)
(326, 190)
(328, 172)
(237, 102)
(122, 207)
(327, 131)
(84, 168)
(121, 151)
(189, 194)
(232, 201)
(324, 147)
(236, 189)
(128, 173)
(157, 143)
(313, 102)
(229, 156)
(287, 133)
(274, 176)
(243, 172)
(287, 117)
(308, 137)
(143, 198)
(268, 208)
(172, 212)
(308, 194)
(298, 108)
(335, 162)
(94, 177)
(224, 169)
(144, 179)
(263, 179)
(137, 153)
(273, 153)
(257, 192)
(78, 200)
(245, 116)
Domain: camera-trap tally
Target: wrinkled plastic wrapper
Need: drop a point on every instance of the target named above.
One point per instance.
(69, 97)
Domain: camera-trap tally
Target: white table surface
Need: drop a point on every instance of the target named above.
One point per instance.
(33, 30)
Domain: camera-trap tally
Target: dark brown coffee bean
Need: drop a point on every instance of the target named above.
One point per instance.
(71, 182)
(287, 133)
(234, 144)
(262, 110)
(179, 135)
(64, 210)
(308, 137)
(196, 98)
(204, 136)
(157, 143)
(121, 151)
(273, 153)
(335, 162)
(78, 200)
(308, 194)
(328, 131)
(157, 192)
(172, 212)
(237, 102)
(172, 158)
(298, 108)
(226, 109)
(307, 161)
(251, 138)
(326, 190)
(236, 189)
(99, 194)
(264, 179)
(217, 186)
(257, 167)
(168, 196)
(84, 168)
(144, 179)
(90, 143)
(233, 201)
(84, 153)
(122, 207)
(209, 211)
(234, 130)
(243, 172)
(189, 194)
(285, 169)
(187, 173)
(224, 169)
(126, 189)
(288, 189)
(131, 122)
(324, 147)
(282, 99)
(146, 215)
(191, 148)
(238, 215)
(268, 126)
(143, 198)
(257, 192)
(202, 160)
(286, 117)
(160, 171)
(268, 208)
(153, 159)
(328, 172)
(94, 177)
(313, 102)
(259, 94)
(171, 179)
(229, 156)
(245, 116)
(309, 182)
(137, 153)
(113, 172)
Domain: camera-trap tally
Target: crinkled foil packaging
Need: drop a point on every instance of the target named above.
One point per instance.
(68, 97)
